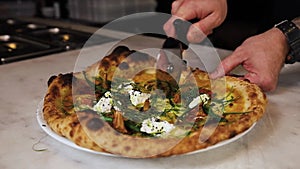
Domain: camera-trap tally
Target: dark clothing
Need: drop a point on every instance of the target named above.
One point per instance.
(265, 13)
(246, 18)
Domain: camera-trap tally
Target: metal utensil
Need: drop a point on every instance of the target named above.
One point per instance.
(170, 56)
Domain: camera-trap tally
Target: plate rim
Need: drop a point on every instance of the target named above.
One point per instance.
(46, 128)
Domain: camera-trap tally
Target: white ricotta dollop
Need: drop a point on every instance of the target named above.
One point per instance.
(202, 98)
(138, 98)
(105, 103)
(152, 126)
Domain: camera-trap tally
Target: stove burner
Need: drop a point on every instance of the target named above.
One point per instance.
(4, 38)
(21, 40)
(33, 26)
(13, 48)
(59, 36)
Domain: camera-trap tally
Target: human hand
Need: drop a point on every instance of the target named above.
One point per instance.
(211, 13)
(262, 56)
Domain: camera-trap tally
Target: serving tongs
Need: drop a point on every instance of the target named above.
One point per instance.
(170, 57)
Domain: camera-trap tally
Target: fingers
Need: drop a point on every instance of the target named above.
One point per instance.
(196, 33)
(266, 83)
(184, 9)
(227, 65)
(199, 30)
(264, 79)
(169, 27)
(176, 5)
(209, 13)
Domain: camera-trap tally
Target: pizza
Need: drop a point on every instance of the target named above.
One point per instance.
(125, 106)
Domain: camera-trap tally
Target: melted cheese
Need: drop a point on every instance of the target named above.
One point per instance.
(157, 128)
(105, 103)
(203, 98)
(138, 98)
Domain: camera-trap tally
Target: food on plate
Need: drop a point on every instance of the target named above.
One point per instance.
(123, 105)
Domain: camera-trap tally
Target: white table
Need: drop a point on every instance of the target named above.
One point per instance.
(272, 144)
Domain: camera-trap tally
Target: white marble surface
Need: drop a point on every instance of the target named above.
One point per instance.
(272, 144)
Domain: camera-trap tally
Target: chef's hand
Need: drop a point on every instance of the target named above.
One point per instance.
(261, 55)
(211, 13)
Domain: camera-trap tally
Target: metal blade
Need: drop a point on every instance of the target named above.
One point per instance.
(170, 59)
(170, 56)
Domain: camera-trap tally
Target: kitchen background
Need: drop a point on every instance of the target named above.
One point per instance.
(245, 18)
(99, 12)
(89, 11)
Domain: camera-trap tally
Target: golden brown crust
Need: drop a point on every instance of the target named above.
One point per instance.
(123, 144)
(85, 128)
(59, 113)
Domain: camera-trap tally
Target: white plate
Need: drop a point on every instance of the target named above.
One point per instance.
(68, 142)
(50, 132)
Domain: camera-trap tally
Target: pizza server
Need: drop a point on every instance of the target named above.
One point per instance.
(170, 56)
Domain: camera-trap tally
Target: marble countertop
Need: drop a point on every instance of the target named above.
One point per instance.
(272, 144)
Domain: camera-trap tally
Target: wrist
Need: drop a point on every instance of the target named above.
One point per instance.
(292, 35)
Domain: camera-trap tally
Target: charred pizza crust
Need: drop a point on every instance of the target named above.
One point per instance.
(58, 108)
(87, 129)
(58, 111)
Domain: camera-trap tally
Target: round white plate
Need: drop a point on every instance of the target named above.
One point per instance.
(68, 142)
(50, 132)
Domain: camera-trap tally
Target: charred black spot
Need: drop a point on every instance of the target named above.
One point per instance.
(66, 79)
(95, 124)
(72, 132)
(51, 80)
(74, 124)
(55, 91)
(253, 95)
(120, 49)
(232, 134)
(124, 66)
(105, 64)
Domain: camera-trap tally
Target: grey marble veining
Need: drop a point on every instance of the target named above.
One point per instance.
(272, 144)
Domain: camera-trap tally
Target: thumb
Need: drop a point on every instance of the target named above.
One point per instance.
(226, 65)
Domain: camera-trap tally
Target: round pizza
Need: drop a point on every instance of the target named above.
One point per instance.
(124, 105)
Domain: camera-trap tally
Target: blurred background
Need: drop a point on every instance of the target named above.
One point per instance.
(245, 18)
